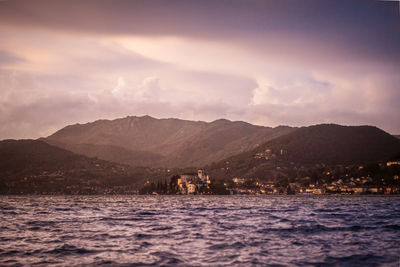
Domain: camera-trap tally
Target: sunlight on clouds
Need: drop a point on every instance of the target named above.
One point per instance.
(109, 76)
(120, 86)
(300, 91)
(147, 91)
(191, 54)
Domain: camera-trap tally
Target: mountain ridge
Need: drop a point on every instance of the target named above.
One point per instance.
(326, 144)
(178, 143)
(47, 164)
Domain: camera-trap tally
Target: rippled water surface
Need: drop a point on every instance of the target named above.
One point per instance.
(200, 230)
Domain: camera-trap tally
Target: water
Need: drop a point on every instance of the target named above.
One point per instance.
(200, 230)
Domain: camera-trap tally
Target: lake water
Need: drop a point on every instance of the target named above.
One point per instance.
(200, 230)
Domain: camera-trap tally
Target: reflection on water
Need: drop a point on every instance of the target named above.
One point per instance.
(200, 230)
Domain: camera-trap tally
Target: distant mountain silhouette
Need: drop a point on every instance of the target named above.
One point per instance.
(19, 154)
(29, 165)
(335, 144)
(320, 144)
(148, 141)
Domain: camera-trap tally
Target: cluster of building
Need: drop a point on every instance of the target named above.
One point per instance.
(193, 183)
(340, 187)
(345, 186)
(267, 154)
(353, 180)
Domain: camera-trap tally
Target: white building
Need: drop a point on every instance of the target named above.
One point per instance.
(191, 188)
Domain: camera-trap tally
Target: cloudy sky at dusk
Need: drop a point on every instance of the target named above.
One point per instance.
(272, 62)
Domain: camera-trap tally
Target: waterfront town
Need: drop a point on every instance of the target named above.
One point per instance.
(103, 179)
(349, 183)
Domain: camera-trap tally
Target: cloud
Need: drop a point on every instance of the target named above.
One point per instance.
(31, 107)
(7, 58)
(365, 27)
(266, 62)
(119, 87)
(292, 93)
(34, 105)
(148, 90)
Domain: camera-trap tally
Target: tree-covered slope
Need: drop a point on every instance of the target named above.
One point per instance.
(172, 142)
(32, 166)
(326, 144)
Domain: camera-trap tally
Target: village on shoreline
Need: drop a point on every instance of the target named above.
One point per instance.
(200, 183)
(369, 179)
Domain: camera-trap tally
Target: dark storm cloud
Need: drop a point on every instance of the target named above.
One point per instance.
(366, 27)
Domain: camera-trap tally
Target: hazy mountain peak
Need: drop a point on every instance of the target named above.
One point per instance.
(178, 143)
(173, 141)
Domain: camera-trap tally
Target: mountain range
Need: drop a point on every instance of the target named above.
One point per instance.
(146, 141)
(131, 150)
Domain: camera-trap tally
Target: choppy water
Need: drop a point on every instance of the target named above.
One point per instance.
(200, 230)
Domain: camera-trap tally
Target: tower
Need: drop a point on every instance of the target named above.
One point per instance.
(201, 174)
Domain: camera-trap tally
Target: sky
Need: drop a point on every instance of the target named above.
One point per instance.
(267, 62)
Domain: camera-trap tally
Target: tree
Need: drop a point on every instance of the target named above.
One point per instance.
(218, 188)
(173, 184)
